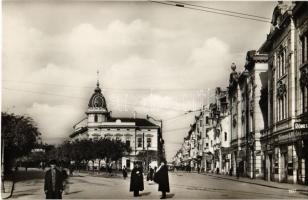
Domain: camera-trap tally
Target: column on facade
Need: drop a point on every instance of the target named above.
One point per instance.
(292, 72)
(280, 164)
(239, 102)
(260, 81)
(295, 163)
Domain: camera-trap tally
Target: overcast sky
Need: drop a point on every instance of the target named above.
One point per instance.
(152, 58)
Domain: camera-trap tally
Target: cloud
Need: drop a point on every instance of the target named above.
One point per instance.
(54, 122)
(211, 60)
(130, 53)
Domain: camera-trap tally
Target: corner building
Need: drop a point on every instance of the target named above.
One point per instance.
(140, 134)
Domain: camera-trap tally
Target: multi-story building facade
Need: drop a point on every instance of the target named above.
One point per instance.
(301, 61)
(223, 134)
(247, 114)
(284, 142)
(140, 134)
(238, 140)
(267, 106)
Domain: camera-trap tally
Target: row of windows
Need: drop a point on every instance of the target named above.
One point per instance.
(139, 141)
(281, 63)
(304, 100)
(304, 59)
(304, 48)
(282, 108)
(281, 71)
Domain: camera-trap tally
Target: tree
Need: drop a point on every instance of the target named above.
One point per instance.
(19, 135)
(147, 156)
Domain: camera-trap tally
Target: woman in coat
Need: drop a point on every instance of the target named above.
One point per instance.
(136, 180)
(161, 177)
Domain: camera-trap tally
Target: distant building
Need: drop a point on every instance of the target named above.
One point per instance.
(140, 134)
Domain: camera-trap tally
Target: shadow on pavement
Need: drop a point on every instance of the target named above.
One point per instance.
(145, 193)
(24, 193)
(169, 196)
(74, 192)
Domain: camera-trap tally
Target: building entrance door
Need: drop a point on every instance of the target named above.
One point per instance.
(271, 168)
(284, 168)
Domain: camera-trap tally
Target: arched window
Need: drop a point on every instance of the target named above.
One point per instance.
(95, 118)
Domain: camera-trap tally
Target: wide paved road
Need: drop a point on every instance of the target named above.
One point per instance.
(183, 186)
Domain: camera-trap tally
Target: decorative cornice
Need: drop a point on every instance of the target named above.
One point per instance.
(260, 58)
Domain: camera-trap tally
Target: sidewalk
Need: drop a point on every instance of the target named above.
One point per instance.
(283, 186)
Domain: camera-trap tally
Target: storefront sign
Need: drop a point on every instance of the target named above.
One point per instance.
(286, 136)
(299, 126)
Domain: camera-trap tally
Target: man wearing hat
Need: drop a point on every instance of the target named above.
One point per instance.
(136, 180)
(161, 177)
(53, 186)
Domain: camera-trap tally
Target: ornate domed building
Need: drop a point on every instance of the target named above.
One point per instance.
(140, 134)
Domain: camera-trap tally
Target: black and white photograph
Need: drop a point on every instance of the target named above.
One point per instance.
(154, 99)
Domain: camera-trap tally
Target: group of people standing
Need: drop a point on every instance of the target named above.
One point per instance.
(56, 179)
(160, 176)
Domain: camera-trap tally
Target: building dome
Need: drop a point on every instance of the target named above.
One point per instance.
(97, 100)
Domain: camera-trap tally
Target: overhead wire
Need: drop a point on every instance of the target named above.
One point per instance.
(222, 10)
(74, 97)
(210, 11)
(104, 88)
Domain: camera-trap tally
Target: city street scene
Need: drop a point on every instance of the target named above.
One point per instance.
(154, 99)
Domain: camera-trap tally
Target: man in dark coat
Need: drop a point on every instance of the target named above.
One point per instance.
(136, 180)
(53, 185)
(124, 171)
(161, 177)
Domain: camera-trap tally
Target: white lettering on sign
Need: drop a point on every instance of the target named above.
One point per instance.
(300, 126)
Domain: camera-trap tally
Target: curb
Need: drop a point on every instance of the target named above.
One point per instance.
(265, 185)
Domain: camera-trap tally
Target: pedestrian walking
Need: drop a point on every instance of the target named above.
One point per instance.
(136, 180)
(53, 185)
(151, 174)
(65, 181)
(161, 177)
(110, 169)
(124, 172)
(231, 171)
